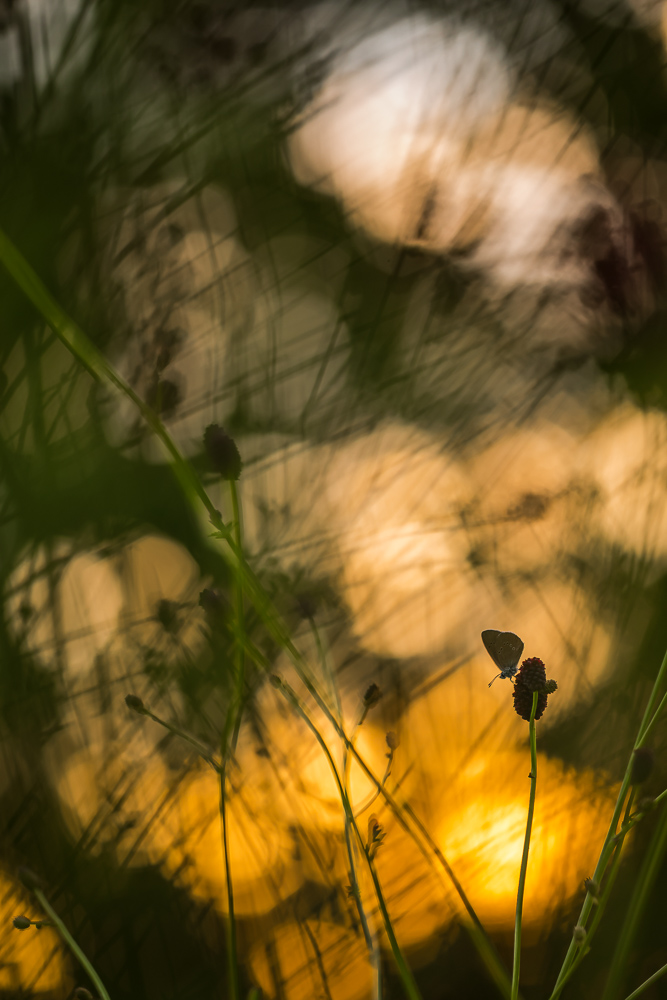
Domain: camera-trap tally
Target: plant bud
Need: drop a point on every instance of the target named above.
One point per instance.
(81, 993)
(579, 934)
(222, 452)
(21, 923)
(392, 740)
(590, 885)
(135, 703)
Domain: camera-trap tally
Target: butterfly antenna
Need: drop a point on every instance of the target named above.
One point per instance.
(496, 678)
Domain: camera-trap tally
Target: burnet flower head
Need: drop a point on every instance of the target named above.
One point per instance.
(505, 649)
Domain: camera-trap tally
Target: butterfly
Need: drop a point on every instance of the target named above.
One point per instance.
(505, 649)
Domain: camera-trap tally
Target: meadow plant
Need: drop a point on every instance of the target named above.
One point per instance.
(530, 693)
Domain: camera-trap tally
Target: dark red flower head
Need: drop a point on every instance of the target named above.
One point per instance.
(531, 677)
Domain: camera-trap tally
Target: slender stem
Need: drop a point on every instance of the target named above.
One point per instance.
(65, 934)
(228, 738)
(610, 879)
(181, 733)
(642, 888)
(375, 795)
(649, 982)
(231, 922)
(649, 718)
(409, 984)
(371, 938)
(526, 848)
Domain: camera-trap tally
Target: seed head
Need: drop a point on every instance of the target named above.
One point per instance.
(590, 885)
(372, 696)
(531, 677)
(222, 452)
(135, 703)
(550, 687)
(392, 739)
(22, 923)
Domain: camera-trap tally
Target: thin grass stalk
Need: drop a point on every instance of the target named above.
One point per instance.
(232, 957)
(350, 818)
(609, 881)
(182, 734)
(92, 359)
(650, 717)
(65, 934)
(228, 742)
(409, 984)
(648, 982)
(640, 895)
(220, 769)
(234, 714)
(526, 848)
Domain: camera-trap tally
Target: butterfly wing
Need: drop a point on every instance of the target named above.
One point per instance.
(504, 648)
(489, 638)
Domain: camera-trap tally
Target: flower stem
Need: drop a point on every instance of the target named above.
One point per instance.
(65, 934)
(526, 848)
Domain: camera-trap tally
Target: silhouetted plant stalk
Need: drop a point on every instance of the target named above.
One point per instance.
(136, 705)
(613, 842)
(526, 848)
(95, 362)
(371, 698)
(409, 984)
(31, 882)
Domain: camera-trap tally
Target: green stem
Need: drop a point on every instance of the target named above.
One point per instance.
(610, 879)
(649, 718)
(649, 982)
(228, 741)
(234, 714)
(526, 848)
(65, 934)
(640, 895)
(232, 958)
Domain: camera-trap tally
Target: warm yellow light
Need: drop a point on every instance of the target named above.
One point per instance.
(32, 961)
